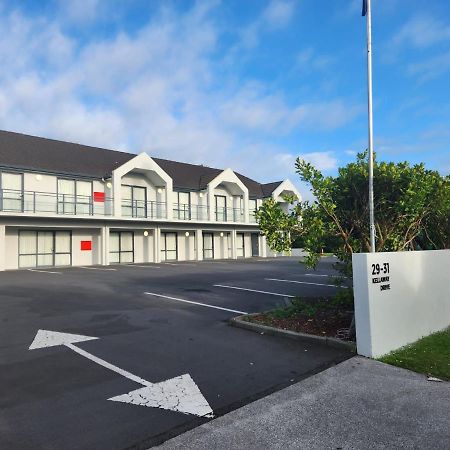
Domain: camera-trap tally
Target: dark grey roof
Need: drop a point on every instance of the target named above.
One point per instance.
(268, 188)
(26, 152)
(188, 176)
(21, 151)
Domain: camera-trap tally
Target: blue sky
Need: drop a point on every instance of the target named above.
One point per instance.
(244, 84)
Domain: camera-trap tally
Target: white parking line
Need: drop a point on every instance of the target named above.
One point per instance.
(144, 267)
(171, 264)
(195, 303)
(304, 282)
(253, 290)
(316, 275)
(44, 271)
(94, 268)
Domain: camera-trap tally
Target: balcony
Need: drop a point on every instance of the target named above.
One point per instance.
(252, 217)
(34, 202)
(229, 215)
(140, 209)
(190, 212)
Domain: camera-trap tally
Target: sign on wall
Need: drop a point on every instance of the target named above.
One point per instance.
(86, 245)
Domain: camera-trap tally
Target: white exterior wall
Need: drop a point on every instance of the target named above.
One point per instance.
(86, 257)
(186, 246)
(415, 304)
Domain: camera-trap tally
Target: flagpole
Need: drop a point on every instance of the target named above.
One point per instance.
(370, 115)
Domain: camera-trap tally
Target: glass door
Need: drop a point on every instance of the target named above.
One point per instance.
(208, 246)
(12, 192)
(240, 245)
(221, 208)
(66, 196)
(169, 248)
(121, 247)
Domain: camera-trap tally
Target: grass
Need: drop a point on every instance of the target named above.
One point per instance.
(429, 355)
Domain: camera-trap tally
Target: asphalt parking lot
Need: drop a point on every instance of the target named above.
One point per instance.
(161, 326)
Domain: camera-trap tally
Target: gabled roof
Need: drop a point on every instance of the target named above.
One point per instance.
(24, 152)
(268, 188)
(21, 151)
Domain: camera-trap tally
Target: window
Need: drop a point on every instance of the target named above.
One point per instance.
(121, 247)
(74, 196)
(169, 248)
(134, 201)
(221, 208)
(252, 207)
(183, 207)
(45, 248)
(208, 246)
(12, 191)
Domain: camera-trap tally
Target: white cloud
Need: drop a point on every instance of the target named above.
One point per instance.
(308, 59)
(431, 68)
(323, 161)
(155, 89)
(422, 31)
(278, 13)
(79, 11)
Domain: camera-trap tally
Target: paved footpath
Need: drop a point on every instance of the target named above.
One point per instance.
(358, 404)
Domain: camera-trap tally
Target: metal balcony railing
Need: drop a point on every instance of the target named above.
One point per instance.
(229, 215)
(183, 211)
(16, 201)
(145, 210)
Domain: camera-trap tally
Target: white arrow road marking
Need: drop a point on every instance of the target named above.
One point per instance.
(176, 394)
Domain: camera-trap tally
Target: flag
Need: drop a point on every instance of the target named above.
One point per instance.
(364, 7)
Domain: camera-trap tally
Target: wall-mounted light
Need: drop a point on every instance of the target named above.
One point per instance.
(39, 177)
(145, 233)
(200, 195)
(160, 191)
(221, 234)
(108, 185)
(186, 234)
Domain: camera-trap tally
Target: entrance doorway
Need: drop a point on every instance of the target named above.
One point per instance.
(121, 248)
(255, 244)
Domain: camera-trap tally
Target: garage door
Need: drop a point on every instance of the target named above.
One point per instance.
(45, 248)
(121, 247)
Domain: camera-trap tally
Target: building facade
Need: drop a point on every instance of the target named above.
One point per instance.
(65, 204)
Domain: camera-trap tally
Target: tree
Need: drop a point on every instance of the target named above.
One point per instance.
(412, 211)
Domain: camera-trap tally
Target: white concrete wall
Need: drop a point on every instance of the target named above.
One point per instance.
(86, 257)
(397, 308)
(186, 246)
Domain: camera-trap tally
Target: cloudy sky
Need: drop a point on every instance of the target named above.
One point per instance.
(244, 84)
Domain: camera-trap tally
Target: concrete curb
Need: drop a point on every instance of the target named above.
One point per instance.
(241, 322)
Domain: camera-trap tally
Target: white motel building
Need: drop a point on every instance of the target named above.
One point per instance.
(65, 204)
